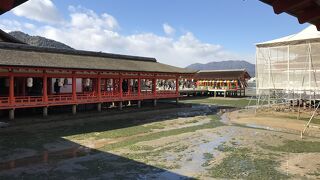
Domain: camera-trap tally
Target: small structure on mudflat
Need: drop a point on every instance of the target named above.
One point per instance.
(218, 82)
(33, 77)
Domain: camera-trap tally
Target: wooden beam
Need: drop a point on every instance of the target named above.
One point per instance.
(281, 6)
(6, 5)
(310, 15)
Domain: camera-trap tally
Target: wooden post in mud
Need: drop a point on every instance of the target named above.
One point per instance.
(74, 152)
(45, 111)
(99, 107)
(269, 99)
(12, 164)
(298, 116)
(74, 109)
(120, 105)
(45, 157)
(139, 104)
(11, 114)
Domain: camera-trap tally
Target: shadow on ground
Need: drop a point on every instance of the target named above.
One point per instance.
(38, 150)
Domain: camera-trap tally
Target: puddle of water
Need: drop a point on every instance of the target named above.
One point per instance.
(195, 167)
(259, 126)
(163, 175)
(224, 118)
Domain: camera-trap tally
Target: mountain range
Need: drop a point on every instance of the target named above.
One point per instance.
(38, 40)
(223, 65)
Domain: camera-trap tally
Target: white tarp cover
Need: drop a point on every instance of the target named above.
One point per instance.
(291, 63)
(310, 33)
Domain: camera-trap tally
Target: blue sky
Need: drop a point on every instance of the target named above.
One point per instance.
(196, 31)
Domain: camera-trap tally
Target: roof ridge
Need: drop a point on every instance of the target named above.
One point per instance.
(219, 70)
(26, 47)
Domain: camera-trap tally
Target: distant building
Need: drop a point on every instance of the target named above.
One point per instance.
(231, 82)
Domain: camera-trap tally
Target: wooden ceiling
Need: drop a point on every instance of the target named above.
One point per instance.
(304, 10)
(7, 5)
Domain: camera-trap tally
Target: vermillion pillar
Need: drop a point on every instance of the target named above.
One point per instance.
(121, 93)
(99, 93)
(139, 92)
(74, 88)
(45, 88)
(177, 90)
(11, 96)
(154, 91)
(74, 94)
(45, 94)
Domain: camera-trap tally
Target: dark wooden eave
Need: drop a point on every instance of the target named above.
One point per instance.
(304, 10)
(7, 5)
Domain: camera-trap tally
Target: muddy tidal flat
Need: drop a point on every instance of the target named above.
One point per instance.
(198, 140)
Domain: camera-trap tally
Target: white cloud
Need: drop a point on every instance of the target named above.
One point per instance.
(12, 25)
(39, 10)
(85, 18)
(87, 30)
(168, 29)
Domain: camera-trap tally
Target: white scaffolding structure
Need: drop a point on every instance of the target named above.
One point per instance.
(290, 66)
(288, 69)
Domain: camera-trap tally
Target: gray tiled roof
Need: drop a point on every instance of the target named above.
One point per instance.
(228, 74)
(24, 55)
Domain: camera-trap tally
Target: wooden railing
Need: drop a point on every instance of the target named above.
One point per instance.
(28, 100)
(92, 96)
(164, 94)
(129, 95)
(81, 98)
(60, 98)
(146, 93)
(4, 101)
(110, 96)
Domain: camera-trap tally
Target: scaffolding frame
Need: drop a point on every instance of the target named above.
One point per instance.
(288, 74)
